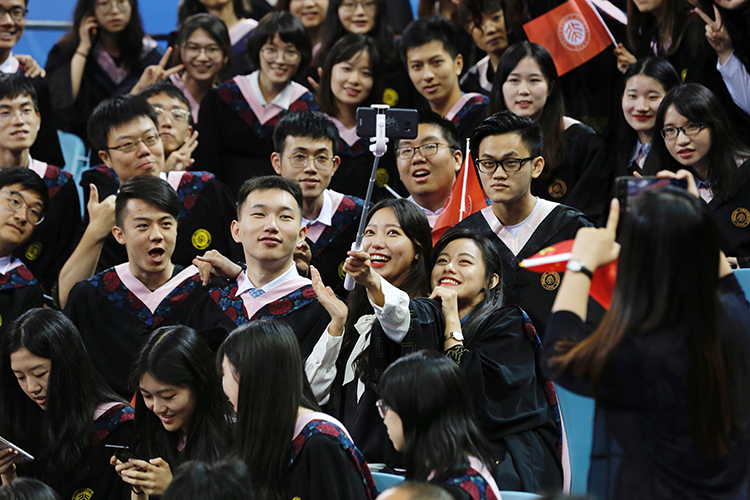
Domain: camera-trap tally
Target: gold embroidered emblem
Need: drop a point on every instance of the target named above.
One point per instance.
(741, 217)
(381, 177)
(550, 281)
(83, 494)
(341, 272)
(201, 239)
(557, 189)
(34, 251)
(390, 97)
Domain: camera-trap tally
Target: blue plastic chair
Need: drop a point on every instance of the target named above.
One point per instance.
(743, 276)
(384, 481)
(76, 160)
(517, 495)
(577, 415)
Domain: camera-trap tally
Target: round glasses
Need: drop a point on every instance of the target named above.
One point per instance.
(177, 115)
(130, 146)
(212, 51)
(671, 133)
(18, 14)
(408, 152)
(107, 6)
(17, 203)
(271, 54)
(382, 407)
(300, 160)
(349, 7)
(508, 164)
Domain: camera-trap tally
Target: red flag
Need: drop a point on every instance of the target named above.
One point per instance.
(572, 33)
(467, 188)
(556, 257)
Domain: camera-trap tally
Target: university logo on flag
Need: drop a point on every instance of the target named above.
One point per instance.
(572, 33)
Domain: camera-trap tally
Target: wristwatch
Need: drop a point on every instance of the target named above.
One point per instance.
(456, 335)
(578, 266)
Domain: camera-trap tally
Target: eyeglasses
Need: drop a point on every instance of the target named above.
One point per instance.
(16, 13)
(17, 203)
(671, 133)
(212, 51)
(350, 7)
(300, 160)
(106, 7)
(508, 164)
(271, 54)
(408, 152)
(177, 115)
(130, 146)
(382, 407)
(7, 114)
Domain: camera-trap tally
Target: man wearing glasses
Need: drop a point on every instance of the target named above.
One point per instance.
(305, 144)
(125, 131)
(23, 196)
(507, 151)
(428, 164)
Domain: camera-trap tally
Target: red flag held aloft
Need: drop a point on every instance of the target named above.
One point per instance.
(572, 33)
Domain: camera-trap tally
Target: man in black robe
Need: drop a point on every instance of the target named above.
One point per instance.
(507, 150)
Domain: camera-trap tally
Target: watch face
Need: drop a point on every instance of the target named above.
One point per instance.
(457, 336)
(574, 265)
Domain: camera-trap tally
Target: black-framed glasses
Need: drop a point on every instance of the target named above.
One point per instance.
(671, 133)
(212, 51)
(16, 13)
(382, 407)
(271, 54)
(17, 203)
(130, 146)
(300, 160)
(508, 164)
(408, 152)
(177, 115)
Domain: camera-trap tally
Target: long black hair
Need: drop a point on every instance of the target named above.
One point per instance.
(130, 41)
(214, 27)
(663, 230)
(668, 21)
(177, 356)
(416, 281)
(493, 295)
(430, 394)
(74, 391)
(660, 70)
(187, 8)
(551, 121)
(698, 104)
(264, 356)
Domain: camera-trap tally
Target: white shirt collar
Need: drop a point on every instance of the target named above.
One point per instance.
(10, 65)
(326, 212)
(5, 263)
(289, 274)
(283, 99)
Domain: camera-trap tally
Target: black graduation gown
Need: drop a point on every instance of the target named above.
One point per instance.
(471, 114)
(234, 145)
(204, 221)
(115, 323)
(52, 242)
(46, 147)
(19, 292)
(535, 292)
(479, 78)
(353, 175)
(220, 311)
(584, 180)
(470, 485)
(733, 219)
(329, 250)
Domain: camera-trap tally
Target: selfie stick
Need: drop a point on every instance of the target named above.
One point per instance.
(378, 147)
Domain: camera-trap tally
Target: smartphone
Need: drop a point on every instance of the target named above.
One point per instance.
(629, 187)
(123, 453)
(399, 123)
(22, 455)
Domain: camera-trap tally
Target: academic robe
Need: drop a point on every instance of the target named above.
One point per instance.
(46, 147)
(467, 114)
(237, 132)
(585, 179)
(204, 221)
(53, 240)
(116, 313)
(533, 292)
(733, 218)
(220, 311)
(19, 292)
(475, 483)
(330, 246)
(478, 78)
(325, 463)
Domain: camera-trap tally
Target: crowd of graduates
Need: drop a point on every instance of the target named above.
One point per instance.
(176, 324)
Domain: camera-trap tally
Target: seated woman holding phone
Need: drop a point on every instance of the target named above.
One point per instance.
(55, 407)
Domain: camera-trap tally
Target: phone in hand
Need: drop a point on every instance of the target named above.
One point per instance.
(22, 455)
(399, 123)
(629, 187)
(123, 453)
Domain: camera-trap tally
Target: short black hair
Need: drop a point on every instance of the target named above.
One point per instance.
(290, 30)
(26, 488)
(447, 128)
(114, 112)
(165, 87)
(13, 85)
(226, 480)
(305, 123)
(426, 29)
(507, 122)
(268, 182)
(28, 179)
(153, 190)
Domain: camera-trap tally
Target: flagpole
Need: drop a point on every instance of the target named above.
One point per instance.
(463, 189)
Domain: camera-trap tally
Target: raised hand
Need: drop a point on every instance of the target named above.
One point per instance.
(302, 257)
(8, 459)
(182, 158)
(624, 58)
(213, 263)
(152, 477)
(156, 72)
(101, 214)
(717, 35)
(596, 247)
(86, 33)
(30, 67)
(335, 306)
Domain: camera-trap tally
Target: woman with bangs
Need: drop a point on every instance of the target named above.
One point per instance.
(312, 13)
(238, 117)
(55, 406)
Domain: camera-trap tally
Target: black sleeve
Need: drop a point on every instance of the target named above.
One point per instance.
(208, 152)
(564, 325)
(457, 493)
(46, 148)
(323, 470)
(103, 479)
(595, 172)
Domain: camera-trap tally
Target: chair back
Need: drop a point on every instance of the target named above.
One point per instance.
(76, 160)
(577, 415)
(518, 495)
(383, 481)
(743, 276)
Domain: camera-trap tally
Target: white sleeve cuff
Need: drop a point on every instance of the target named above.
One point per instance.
(394, 316)
(320, 366)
